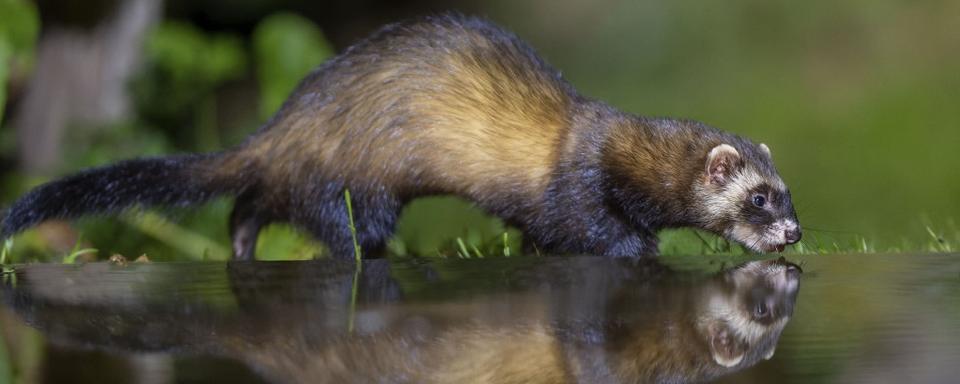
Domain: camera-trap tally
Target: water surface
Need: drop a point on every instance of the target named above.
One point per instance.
(846, 318)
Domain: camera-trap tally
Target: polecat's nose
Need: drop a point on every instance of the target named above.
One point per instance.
(792, 235)
(793, 271)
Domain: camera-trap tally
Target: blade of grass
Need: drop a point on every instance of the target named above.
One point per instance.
(463, 249)
(476, 251)
(7, 246)
(357, 256)
(506, 246)
(72, 257)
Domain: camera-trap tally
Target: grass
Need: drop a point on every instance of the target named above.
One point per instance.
(357, 254)
(7, 246)
(196, 241)
(190, 243)
(672, 242)
(938, 242)
(685, 242)
(358, 258)
(77, 251)
(500, 243)
(7, 270)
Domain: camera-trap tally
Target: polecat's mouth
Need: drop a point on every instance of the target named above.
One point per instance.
(758, 239)
(776, 248)
(764, 247)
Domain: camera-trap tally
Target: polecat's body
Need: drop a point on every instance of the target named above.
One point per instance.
(453, 105)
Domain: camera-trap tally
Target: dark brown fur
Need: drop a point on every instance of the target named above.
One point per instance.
(443, 105)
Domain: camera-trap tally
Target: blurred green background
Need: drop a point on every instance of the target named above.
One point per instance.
(857, 99)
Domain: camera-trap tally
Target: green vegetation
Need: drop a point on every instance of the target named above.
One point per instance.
(176, 91)
(6, 270)
(353, 228)
(192, 245)
(18, 33)
(287, 47)
(76, 252)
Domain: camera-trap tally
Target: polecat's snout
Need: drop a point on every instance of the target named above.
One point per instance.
(791, 270)
(781, 234)
(783, 277)
(792, 235)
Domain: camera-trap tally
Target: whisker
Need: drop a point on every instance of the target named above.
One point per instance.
(754, 245)
(815, 229)
(710, 247)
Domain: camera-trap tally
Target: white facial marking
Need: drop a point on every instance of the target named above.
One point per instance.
(778, 184)
(769, 354)
(726, 201)
(722, 148)
(721, 161)
(776, 233)
(746, 235)
(725, 306)
(728, 362)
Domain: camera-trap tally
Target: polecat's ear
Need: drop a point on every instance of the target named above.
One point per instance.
(724, 346)
(765, 149)
(722, 161)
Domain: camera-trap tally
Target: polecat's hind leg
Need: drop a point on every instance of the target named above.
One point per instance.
(246, 220)
(636, 245)
(374, 214)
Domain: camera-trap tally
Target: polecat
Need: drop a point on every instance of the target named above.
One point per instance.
(454, 105)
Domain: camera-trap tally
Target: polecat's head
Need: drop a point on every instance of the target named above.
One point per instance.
(744, 316)
(744, 199)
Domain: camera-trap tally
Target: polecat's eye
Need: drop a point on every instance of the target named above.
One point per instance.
(759, 200)
(760, 311)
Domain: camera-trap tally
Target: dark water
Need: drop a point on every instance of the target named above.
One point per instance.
(845, 318)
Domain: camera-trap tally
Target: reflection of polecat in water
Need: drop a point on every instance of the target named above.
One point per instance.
(634, 324)
(454, 105)
(681, 333)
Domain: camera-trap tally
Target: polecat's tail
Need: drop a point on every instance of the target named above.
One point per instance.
(166, 181)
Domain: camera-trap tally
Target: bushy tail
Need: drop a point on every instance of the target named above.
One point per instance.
(166, 181)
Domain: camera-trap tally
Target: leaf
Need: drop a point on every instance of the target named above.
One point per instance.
(189, 56)
(20, 24)
(286, 47)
